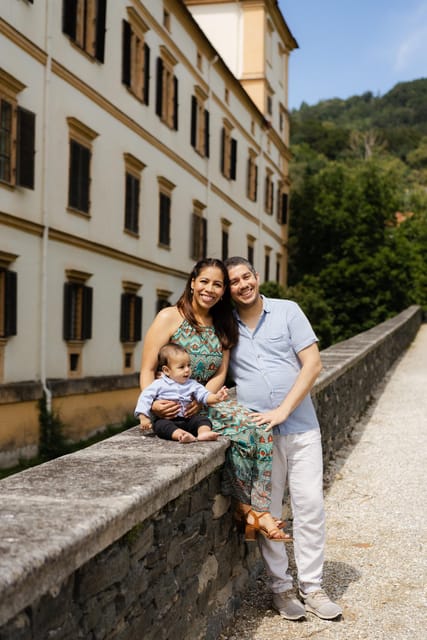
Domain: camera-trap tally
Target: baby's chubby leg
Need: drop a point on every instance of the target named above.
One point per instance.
(205, 433)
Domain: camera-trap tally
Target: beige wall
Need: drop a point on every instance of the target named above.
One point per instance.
(62, 82)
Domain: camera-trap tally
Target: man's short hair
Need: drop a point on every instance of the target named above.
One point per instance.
(235, 261)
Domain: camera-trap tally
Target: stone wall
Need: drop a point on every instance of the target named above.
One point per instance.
(130, 539)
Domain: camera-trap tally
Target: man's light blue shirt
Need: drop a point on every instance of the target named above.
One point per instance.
(264, 364)
(167, 389)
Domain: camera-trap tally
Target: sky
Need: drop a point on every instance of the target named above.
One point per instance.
(348, 47)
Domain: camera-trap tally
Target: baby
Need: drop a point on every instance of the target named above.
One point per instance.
(175, 384)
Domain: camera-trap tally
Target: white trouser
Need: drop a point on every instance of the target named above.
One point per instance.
(297, 461)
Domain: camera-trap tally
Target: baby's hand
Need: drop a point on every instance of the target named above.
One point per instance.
(222, 394)
(144, 423)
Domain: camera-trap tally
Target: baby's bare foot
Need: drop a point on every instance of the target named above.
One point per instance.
(186, 437)
(208, 435)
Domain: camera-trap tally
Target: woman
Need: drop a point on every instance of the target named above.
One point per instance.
(202, 322)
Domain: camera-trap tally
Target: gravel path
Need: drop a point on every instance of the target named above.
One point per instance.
(376, 525)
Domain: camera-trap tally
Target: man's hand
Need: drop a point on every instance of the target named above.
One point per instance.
(168, 409)
(269, 418)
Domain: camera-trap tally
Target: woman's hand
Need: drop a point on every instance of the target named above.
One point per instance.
(168, 409)
(192, 409)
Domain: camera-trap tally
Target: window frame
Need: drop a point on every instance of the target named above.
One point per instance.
(84, 22)
(228, 151)
(17, 140)
(81, 138)
(199, 134)
(136, 56)
(199, 232)
(252, 177)
(167, 89)
(165, 208)
(133, 170)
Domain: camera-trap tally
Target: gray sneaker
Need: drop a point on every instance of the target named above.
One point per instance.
(321, 605)
(288, 605)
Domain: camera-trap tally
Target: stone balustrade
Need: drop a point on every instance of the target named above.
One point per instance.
(130, 539)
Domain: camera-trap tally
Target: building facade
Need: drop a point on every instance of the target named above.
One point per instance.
(132, 143)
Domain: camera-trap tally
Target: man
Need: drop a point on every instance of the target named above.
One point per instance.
(274, 366)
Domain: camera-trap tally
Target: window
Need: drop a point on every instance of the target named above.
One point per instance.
(269, 104)
(167, 89)
(165, 199)
(77, 307)
(251, 250)
(77, 318)
(199, 227)
(81, 138)
(8, 296)
(225, 237)
(133, 168)
(267, 264)
(162, 299)
(269, 193)
(136, 57)
(282, 206)
(166, 20)
(130, 315)
(84, 22)
(199, 123)
(199, 61)
(278, 267)
(252, 178)
(17, 136)
(130, 323)
(228, 152)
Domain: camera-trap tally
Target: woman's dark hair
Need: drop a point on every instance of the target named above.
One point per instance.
(223, 320)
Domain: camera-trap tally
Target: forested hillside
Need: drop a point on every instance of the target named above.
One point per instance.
(358, 209)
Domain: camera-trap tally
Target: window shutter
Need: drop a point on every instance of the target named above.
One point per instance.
(25, 148)
(10, 307)
(271, 209)
(159, 86)
(73, 175)
(67, 332)
(256, 183)
(195, 236)
(85, 179)
(248, 178)
(124, 317)
(175, 103)
(193, 120)
(164, 226)
(207, 135)
(100, 30)
(126, 53)
(146, 73)
(87, 313)
(69, 18)
(131, 203)
(233, 159)
(204, 224)
(222, 150)
(284, 219)
(138, 319)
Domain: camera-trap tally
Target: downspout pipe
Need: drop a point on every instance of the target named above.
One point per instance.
(45, 210)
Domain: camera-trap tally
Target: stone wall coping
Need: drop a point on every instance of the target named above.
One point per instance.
(339, 357)
(56, 516)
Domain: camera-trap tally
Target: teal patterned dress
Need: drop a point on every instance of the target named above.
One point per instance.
(247, 469)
